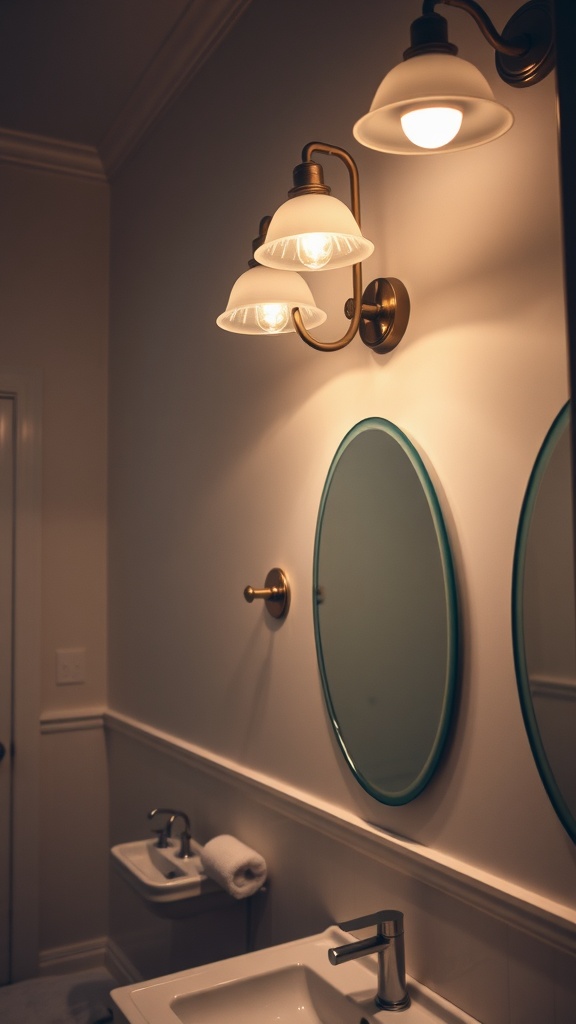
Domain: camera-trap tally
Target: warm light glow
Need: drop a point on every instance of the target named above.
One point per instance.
(432, 127)
(315, 250)
(313, 233)
(272, 317)
(262, 300)
(425, 83)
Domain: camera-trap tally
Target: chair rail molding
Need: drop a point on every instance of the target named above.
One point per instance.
(513, 904)
(71, 720)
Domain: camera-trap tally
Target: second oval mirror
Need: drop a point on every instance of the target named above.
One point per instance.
(385, 612)
(543, 616)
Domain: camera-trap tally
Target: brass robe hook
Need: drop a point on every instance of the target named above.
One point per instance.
(275, 593)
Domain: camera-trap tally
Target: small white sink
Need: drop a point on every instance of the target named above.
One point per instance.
(159, 874)
(289, 984)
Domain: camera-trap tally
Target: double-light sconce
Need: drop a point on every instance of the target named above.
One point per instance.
(314, 231)
(433, 102)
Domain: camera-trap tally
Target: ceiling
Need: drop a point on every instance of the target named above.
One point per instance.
(87, 78)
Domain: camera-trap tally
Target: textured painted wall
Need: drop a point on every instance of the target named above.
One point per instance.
(54, 301)
(219, 444)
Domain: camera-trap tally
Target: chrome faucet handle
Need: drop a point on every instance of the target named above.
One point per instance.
(185, 851)
(390, 923)
(164, 834)
(185, 819)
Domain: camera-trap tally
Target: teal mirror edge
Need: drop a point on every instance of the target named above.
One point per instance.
(562, 809)
(452, 617)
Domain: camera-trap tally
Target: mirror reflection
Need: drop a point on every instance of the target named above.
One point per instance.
(544, 619)
(385, 611)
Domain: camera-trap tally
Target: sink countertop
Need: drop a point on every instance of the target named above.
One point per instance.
(263, 978)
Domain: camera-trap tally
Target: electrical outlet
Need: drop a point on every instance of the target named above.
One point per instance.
(70, 666)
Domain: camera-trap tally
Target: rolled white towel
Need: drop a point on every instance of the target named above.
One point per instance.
(238, 869)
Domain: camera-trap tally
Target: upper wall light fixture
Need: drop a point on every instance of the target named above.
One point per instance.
(436, 102)
(314, 231)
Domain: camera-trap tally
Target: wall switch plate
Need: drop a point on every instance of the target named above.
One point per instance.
(70, 666)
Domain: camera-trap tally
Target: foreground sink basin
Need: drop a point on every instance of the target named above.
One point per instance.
(290, 993)
(160, 875)
(284, 984)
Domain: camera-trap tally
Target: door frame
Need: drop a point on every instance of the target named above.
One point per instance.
(26, 389)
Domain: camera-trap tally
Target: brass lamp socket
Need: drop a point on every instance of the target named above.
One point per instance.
(429, 34)
(308, 179)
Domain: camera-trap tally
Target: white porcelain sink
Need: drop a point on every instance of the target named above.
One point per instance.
(159, 874)
(290, 993)
(289, 984)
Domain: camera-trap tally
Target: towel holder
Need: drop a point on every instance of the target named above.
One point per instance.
(275, 593)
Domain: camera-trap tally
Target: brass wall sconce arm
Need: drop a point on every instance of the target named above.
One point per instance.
(524, 50)
(382, 312)
(309, 179)
(433, 101)
(275, 593)
(313, 231)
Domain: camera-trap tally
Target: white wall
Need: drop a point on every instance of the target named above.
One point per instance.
(219, 444)
(54, 281)
(54, 300)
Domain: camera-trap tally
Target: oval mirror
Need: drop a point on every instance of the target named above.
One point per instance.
(543, 618)
(385, 612)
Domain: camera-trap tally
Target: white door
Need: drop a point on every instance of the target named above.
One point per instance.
(6, 673)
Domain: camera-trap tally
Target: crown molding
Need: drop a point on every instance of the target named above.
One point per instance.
(196, 35)
(47, 154)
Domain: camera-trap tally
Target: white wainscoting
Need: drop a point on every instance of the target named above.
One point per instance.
(464, 925)
(529, 912)
(74, 844)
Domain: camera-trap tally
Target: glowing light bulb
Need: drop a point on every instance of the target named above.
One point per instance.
(272, 317)
(431, 127)
(315, 250)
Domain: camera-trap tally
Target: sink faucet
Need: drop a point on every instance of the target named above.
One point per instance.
(165, 833)
(389, 944)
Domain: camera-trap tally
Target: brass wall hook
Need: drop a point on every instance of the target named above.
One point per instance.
(275, 593)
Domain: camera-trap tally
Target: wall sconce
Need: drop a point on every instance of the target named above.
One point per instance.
(436, 101)
(262, 300)
(313, 231)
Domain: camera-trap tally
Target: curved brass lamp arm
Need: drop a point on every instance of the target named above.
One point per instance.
(348, 161)
(484, 23)
(333, 346)
(344, 156)
(525, 50)
(381, 312)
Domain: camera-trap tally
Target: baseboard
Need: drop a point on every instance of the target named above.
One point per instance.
(79, 956)
(120, 965)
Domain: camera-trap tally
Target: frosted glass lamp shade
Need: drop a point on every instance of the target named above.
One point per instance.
(313, 232)
(432, 80)
(262, 300)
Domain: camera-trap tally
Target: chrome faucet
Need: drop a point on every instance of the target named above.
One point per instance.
(389, 944)
(165, 833)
